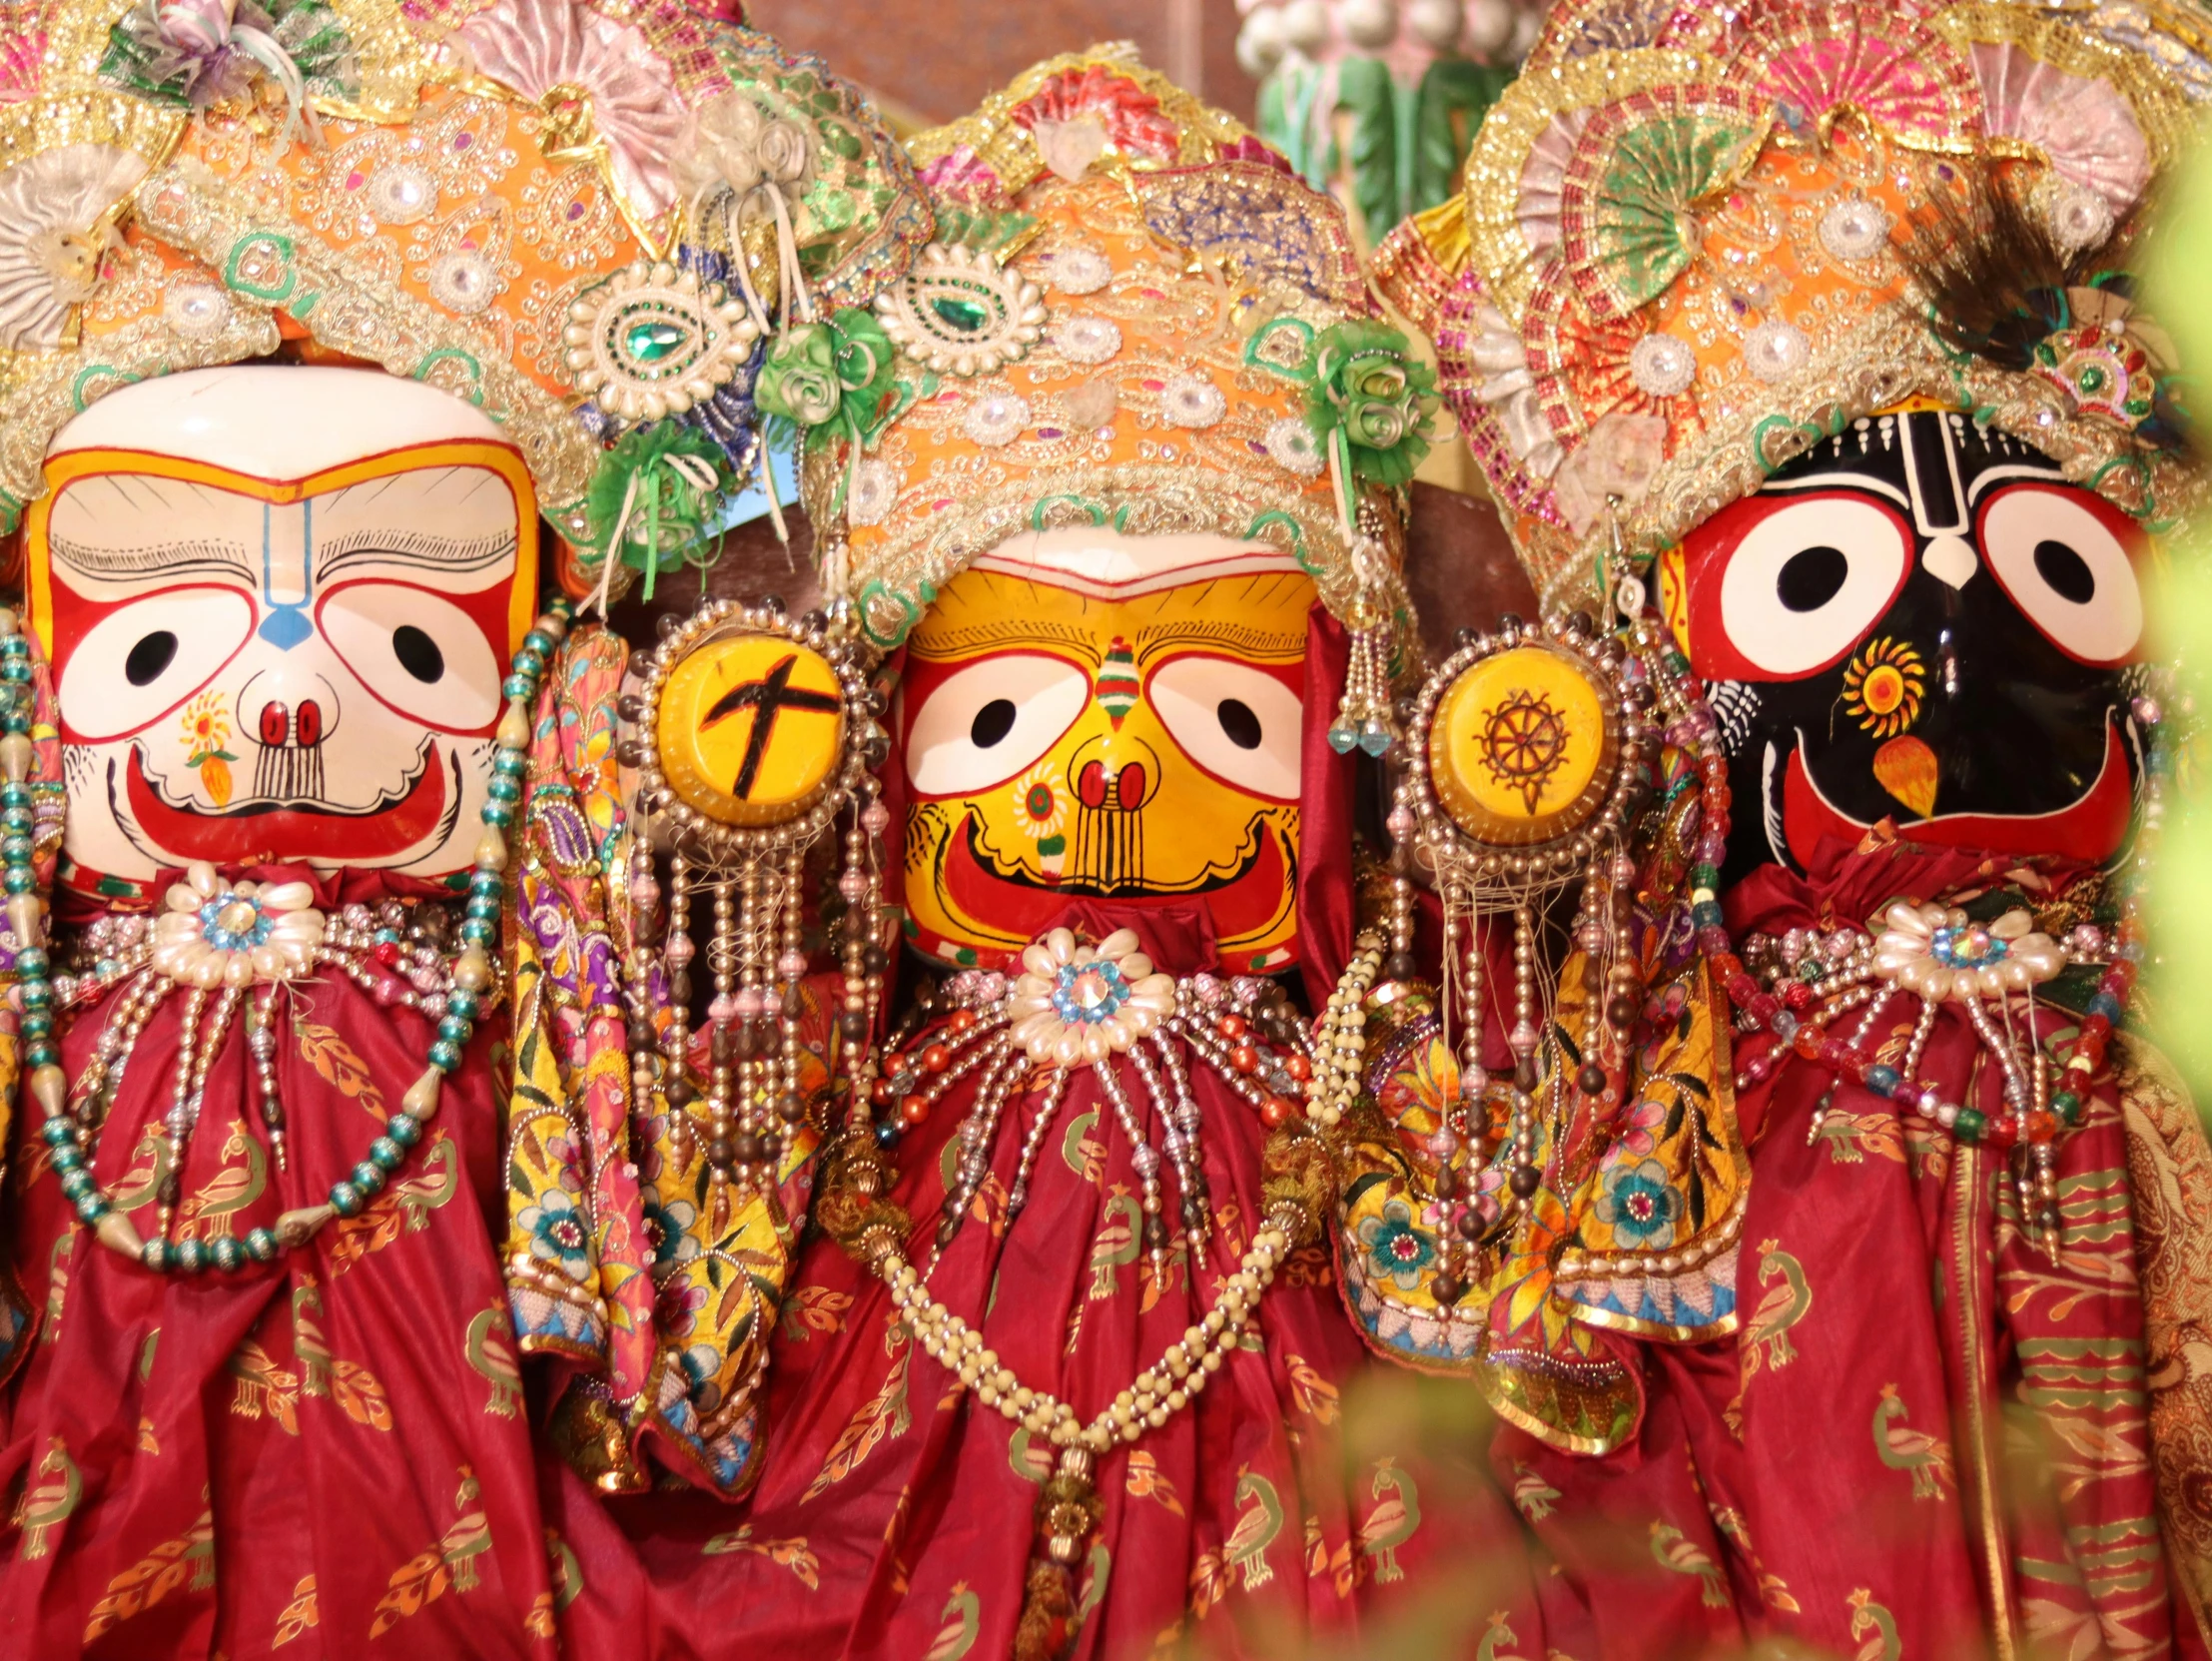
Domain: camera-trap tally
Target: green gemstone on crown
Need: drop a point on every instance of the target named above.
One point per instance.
(650, 342)
(968, 315)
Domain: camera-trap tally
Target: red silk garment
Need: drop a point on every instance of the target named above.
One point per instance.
(896, 1517)
(323, 1456)
(1929, 1439)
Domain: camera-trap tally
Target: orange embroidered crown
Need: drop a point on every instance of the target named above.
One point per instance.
(1695, 239)
(1133, 316)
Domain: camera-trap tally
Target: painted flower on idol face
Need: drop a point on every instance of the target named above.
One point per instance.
(280, 602)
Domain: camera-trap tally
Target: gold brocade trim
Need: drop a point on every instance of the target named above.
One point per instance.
(394, 63)
(1008, 149)
(1891, 358)
(982, 507)
(350, 306)
(1497, 245)
(103, 117)
(2060, 41)
(1533, 1403)
(1413, 267)
(2170, 1178)
(41, 390)
(1969, 1228)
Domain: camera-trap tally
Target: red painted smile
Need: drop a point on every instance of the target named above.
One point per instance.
(1243, 904)
(2091, 828)
(280, 832)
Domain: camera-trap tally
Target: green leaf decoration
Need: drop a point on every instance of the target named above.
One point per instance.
(1455, 95)
(968, 227)
(1365, 92)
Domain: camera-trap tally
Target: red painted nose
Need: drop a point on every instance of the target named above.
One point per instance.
(1096, 787)
(279, 725)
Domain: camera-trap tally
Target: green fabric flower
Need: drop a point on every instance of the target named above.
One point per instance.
(1371, 400)
(652, 502)
(824, 373)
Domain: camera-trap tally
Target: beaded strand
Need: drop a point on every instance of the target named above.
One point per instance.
(71, 1142)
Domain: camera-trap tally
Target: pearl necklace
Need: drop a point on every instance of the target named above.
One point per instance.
(218, 939)
(872, 1229)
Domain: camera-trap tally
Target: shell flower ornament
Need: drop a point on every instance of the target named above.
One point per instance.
(1076, 1003)
(216, 933)
(1939, 952)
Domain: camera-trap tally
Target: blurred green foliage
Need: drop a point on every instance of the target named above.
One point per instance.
(2179, 275)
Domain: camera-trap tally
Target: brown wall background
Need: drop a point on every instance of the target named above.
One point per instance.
(931, 63)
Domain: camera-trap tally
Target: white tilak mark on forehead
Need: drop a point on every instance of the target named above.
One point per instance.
(1842, 478)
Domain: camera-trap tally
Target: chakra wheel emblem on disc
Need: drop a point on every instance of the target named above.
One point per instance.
(1524, 743)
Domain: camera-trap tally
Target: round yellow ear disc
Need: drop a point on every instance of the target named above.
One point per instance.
(1522, 748)
(750, 728)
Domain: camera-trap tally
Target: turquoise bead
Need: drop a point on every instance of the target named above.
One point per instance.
(387, 1154)
(445, 1054)
(463, 1003)
(456, 1027)
(192, 1257)
(262, 1245)
(230, 1256)
(405, 1129)
(503, 791)
(345, 1200)
(366, 1178)
(155, 1254)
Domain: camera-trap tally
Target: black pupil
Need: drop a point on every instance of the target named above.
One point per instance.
(1240, 724)
(992, 722)
(2066, 572)
(150, 657)
(1811, 579)
(418, 653)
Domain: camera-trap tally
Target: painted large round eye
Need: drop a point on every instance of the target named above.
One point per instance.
(421, 655)
(1808, 578)
(983, 724)
(1240, 724)
(2064, 560)
(143, 659)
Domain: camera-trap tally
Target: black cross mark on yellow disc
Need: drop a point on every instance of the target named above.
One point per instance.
(767, 698)
(760, 771)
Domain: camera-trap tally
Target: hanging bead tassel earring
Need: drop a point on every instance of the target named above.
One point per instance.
(1365, 718)
(753, 734)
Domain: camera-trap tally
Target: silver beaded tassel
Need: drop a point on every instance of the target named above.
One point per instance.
(749, 882)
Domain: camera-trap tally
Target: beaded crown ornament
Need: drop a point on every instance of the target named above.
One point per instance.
(1134, 316)
(581, 218)
(1689, 248)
